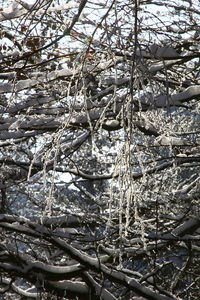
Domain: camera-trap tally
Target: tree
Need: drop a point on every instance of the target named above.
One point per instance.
(99, 133)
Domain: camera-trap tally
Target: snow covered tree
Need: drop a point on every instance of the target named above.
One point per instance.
(99, 149)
